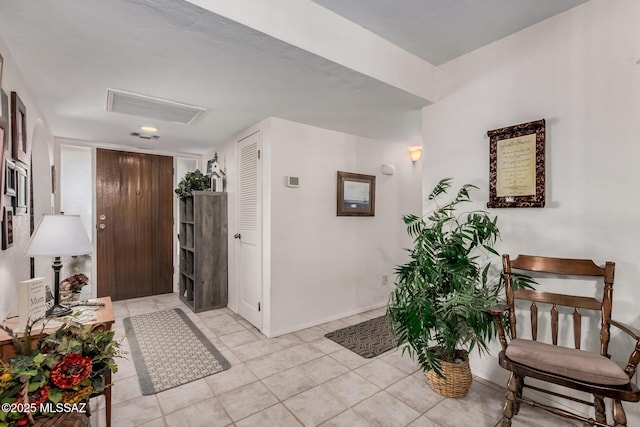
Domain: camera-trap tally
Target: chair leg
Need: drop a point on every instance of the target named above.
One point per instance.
(519, 387)
(619, 417)
(598, 404)
(510, 400)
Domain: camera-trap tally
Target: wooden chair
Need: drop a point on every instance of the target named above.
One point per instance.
(590, 372)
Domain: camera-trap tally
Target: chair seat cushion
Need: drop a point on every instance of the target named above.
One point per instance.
(576, 364)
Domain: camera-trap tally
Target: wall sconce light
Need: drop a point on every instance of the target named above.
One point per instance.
(415, 152)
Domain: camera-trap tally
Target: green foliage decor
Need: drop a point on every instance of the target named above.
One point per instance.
(442, 295)
(192, 181)
(66, 368)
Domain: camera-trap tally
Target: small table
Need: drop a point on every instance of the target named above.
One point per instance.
(103, 315)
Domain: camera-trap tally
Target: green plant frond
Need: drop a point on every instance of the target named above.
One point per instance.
(522, 281)
(441, 188)
(463, 193)
(491, 250)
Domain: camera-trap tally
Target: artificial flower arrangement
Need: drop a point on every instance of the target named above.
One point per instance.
(72, 285)
(76, 282)
(66, 368)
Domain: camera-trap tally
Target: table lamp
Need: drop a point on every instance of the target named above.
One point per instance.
(56, 236)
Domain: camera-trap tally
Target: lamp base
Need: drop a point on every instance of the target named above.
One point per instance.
(58, 311)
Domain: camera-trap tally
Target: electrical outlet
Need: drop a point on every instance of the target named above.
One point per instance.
(385, 279)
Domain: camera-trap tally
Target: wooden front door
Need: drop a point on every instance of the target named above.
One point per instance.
(134, 216)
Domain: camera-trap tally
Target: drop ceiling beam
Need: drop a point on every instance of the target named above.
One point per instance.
(309, 26)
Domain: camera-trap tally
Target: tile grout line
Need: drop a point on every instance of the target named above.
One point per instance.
(286, 346)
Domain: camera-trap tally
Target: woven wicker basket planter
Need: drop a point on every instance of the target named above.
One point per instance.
(70, 419)
(457, 377)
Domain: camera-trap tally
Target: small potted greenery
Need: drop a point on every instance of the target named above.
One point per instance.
(192, 181)
(439, 308)
(59, 375)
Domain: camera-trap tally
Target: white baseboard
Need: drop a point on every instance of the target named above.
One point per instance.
(331, 318)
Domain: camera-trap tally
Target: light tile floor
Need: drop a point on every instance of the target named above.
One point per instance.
(297, 379)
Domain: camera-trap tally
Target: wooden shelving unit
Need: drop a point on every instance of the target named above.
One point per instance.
(203, 251)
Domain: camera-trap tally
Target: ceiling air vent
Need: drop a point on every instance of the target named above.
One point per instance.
(135, 104)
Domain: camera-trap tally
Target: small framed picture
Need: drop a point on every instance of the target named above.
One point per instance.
(356, 194)
(4, 108)
(3, 150)
(22, 191)
(10, 184)
(7, 228)
(19, 129)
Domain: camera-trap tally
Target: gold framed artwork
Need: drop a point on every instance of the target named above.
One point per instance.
(356, 194)
(517, 166)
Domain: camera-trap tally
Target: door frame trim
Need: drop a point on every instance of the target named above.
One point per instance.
(58, 142)
(265, 223)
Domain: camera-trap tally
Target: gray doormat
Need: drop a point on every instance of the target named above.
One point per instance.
(368, 339)
(168, 350)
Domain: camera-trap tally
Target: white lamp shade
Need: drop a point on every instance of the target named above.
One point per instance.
(59, 235)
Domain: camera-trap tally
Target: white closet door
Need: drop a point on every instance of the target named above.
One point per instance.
(250, 229)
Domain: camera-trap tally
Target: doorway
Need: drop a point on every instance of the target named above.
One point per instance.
(134, 219)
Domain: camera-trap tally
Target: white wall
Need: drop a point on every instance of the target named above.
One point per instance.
(323, 266)
(580, 71)
(14, 265)
(317, 266)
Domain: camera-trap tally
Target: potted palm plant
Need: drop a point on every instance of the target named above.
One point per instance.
(439, 308)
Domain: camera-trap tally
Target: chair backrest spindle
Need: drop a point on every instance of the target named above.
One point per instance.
(534, 321)
(554, 324)
(577, 327)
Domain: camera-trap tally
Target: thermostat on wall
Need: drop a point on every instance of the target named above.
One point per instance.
(293, 181)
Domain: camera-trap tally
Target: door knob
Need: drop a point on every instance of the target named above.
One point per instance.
(237, 236)
(102, 226)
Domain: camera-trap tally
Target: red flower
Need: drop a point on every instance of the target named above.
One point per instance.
(40, 395)
(23, 422)
(71, 370)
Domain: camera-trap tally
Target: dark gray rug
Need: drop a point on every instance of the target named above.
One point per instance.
(368, 339)
(168, 350)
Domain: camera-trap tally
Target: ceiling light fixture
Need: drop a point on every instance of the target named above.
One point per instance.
(148, 128)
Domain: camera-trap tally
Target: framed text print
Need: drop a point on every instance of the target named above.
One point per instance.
(516, 166)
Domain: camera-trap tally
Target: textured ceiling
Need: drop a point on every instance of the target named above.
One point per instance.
(440, 30)
(70, 52)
